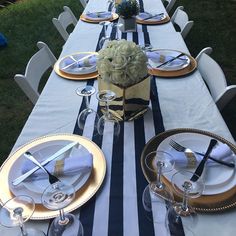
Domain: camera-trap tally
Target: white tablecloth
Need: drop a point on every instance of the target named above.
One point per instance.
(184, 102)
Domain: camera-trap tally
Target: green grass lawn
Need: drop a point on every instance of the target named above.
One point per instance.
(29, 21)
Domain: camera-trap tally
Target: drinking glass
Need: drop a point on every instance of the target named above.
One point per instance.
(88, 117)
(56, 197)
(117, 26)
(16, 211)
(103, 41)
(157, 193)
(186, 188)
(106, 96)
(160, 162)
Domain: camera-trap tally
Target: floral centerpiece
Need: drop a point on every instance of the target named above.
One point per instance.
(122, 63)
(127, 10)
(122, 67)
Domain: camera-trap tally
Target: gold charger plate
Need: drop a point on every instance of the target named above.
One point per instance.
(114, 17)
(74, 76)
(175, 73)
(205, 203)
(81, 196)
(153, 22)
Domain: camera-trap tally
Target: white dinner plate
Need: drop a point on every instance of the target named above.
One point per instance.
(98, 15)
(36, 187)
(144, 15)
(217, 178)
(164, 55)
(68, 64)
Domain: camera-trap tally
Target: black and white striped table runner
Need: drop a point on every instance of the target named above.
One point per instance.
(137, 131)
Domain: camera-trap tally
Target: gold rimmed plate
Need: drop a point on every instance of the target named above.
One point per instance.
(91, 73)
(162, 20)
(86, 192)
(85, 19)
(206, 203)
(186, 69)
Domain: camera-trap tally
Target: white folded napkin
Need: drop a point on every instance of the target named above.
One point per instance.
(220, 152)
(157, 57)
(99, 15)
(144, 15)
(78, 163)
(87, 62)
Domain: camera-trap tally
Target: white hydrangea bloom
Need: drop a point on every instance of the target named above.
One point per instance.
(122, 63)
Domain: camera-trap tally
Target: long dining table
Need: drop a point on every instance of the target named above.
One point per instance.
(184, 102)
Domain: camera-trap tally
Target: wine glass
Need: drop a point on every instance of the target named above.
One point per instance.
(88, 117)
(56, 197)
(185, 187)
(107, 119)
(116, 26)
(103, 41)
(16, 211)
(157, 192)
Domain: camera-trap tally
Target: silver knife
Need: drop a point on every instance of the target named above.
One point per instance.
(150, 17)
(21, 178)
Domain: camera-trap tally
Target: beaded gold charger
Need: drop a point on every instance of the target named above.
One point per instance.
(205, 203)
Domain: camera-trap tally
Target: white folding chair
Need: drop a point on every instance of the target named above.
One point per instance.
(214, 77)
(169, 4)
(84, 2)
(65, 19)
(180, 18)
(37, 65)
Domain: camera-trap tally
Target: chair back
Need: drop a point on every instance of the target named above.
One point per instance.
(84, 2)
(36, 67)
(65, 19)
(215, 79)
(180, 18)
(170, 5)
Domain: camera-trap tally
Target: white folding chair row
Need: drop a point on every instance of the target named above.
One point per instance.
(38, 64)
(170, 4)
(84, 2)
(180, 18)
(215, 79)
(65, 19)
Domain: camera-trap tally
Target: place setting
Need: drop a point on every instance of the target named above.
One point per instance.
(188, 148)
(77, 66)
(147, 18)
(74, 163)
(99, 16)
(169, 63)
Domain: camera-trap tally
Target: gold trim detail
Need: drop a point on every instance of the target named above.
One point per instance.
(205, 203)
(82, 195)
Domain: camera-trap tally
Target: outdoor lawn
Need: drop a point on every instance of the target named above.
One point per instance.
(28, 21)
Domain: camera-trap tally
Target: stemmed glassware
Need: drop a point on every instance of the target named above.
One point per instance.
(117, 26)
(16, 211)
(106, 96)
(86, 92)
(105, 38)
(56, 197)
(186, 188)
(157, 192)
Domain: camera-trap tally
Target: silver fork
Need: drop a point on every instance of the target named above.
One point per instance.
(178, 147)
(52, 178)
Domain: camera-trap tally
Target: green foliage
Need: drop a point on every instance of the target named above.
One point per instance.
(128, 8)
(24, 24)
